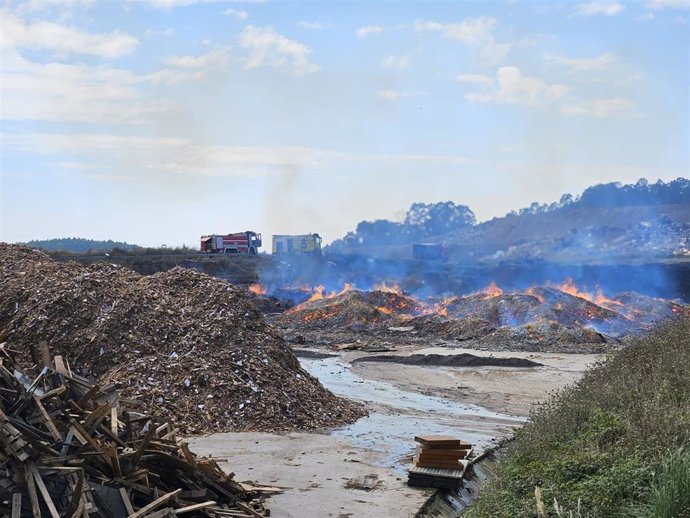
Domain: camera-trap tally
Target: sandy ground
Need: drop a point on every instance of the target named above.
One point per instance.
(501, 389)
(403, 401)
(315, 468)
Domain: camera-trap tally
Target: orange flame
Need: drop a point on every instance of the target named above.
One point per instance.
(569, 287)
(393, 288)
(492, 290)
(257, 289)
(319, 292)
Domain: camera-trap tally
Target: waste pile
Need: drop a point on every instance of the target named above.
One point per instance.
(69, 448)
(355, 309)
(542, 315)
(193, 348)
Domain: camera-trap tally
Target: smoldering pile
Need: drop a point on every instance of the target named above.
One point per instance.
(540, 315)
(193, 348)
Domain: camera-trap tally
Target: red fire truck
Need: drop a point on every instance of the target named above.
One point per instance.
(239, 243)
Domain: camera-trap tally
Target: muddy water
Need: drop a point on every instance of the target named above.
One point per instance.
(396, 416)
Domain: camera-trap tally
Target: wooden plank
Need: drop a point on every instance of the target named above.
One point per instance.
(47, 420)
(166, 511)
(16, 505)
(125, 500)
(147, 438)
(194, 507)
(52, 393)
(249, 510)
(33, 496)
(157, 502)
(91, 421)
(60, 365)
(113, 420)
(44, 354)
(44, 492)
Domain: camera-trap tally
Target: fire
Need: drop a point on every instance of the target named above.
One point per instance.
(319, 292)
(257, 289)
(569, 287)
(441, 308)
(534, 293)
(492, 290)
(346, 287)
(393, 288)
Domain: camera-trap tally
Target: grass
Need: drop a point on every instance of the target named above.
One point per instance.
(609, 446)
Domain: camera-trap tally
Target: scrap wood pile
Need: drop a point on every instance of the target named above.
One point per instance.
(439, 461)
(72, 449)
(192, 348)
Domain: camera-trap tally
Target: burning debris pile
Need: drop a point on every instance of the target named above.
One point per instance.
(544, 314)
(191, 347)
(357, 310)
(70, 448)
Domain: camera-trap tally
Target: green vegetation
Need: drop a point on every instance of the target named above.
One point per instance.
(78, 245)
(613, 445)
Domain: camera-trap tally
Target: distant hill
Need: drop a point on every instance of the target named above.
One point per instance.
(606, 222)
(79, 245)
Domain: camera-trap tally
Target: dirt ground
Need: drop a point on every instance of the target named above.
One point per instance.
(403, 400)
(501, 389)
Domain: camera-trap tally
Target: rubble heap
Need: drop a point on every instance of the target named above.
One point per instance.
(72, 449)
(191, 347)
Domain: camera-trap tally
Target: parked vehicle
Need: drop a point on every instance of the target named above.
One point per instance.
(297, 244)
(247, 242)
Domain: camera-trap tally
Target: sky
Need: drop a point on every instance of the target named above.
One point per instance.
(157, 121)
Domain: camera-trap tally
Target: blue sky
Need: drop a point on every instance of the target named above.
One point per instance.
(156, 121)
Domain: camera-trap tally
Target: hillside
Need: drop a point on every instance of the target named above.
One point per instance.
(613, 445)
(606, 223)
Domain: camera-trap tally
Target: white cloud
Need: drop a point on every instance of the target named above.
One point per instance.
(366, 30)
(595, 8)
(601, 108)
(470, 31)
(31, 6)
(399, 62)
(513, 87)
(60, 40)
(394, 95)
(170, 31)
(268, 48)
(473, 32)
(583, 64)
(477, 79)
(205, 61)
(94, 94)
(78, 93)
(314, 26)
(672, 4)
(161, 155)
(237, 13)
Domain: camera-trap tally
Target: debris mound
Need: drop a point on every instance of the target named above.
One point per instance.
(354, 309)
(542, 316)
(450, 360)
(70, 448)
(191, 347)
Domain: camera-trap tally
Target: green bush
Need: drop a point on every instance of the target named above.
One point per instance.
(598, 444)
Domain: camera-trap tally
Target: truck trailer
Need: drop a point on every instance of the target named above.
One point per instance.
(309, 244)
(247, 242)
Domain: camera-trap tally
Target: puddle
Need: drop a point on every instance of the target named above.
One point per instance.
(399, 415)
